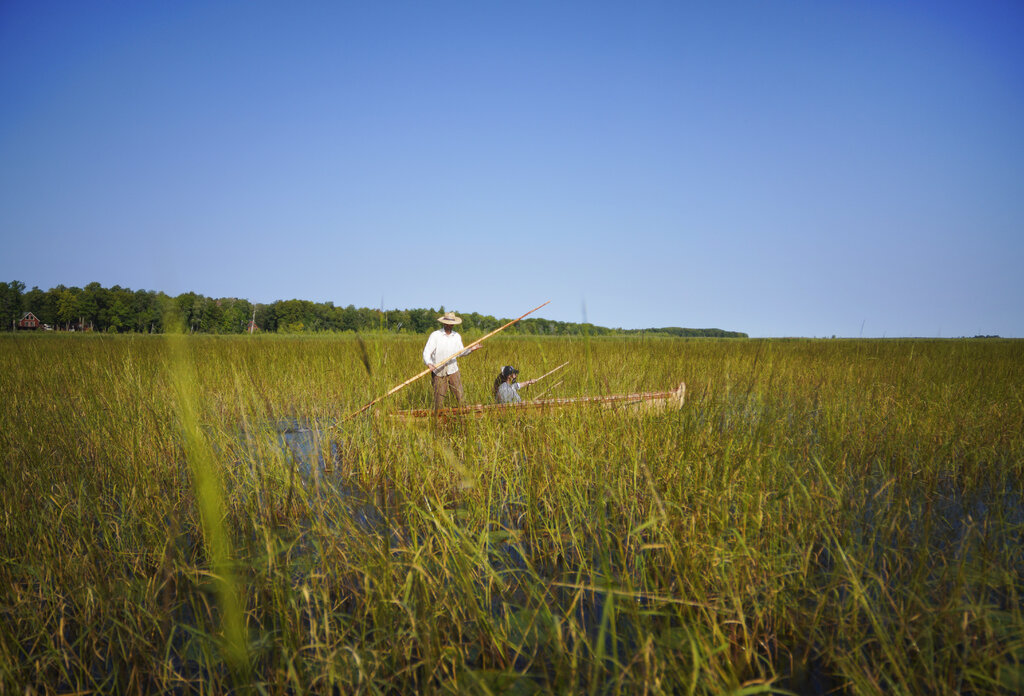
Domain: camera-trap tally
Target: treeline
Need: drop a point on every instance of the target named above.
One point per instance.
(121, 310)
(686, 333)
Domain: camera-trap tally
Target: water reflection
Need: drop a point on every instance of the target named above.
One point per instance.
(892, 522)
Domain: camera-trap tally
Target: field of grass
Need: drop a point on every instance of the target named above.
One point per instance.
(192, 514)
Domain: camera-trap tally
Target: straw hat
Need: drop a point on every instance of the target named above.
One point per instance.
(450, 318)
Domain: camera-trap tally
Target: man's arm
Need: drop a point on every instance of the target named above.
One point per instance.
(464, 352)
(428, 351)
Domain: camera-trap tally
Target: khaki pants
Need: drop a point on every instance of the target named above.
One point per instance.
(441, 385)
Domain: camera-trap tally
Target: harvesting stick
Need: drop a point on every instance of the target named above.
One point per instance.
(549, 372)
(443, 362)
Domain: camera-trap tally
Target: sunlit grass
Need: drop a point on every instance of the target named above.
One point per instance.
(187, 514)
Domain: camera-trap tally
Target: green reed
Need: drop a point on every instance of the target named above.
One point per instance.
(819, 515)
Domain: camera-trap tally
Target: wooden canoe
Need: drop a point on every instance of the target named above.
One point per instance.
(636, 402)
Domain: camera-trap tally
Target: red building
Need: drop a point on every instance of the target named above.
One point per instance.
(29, 321)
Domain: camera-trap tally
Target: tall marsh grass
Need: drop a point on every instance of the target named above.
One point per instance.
(192, 514)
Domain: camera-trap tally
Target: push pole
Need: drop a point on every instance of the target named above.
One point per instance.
(443, 362)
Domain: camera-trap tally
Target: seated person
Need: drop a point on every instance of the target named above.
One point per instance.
(506, 386)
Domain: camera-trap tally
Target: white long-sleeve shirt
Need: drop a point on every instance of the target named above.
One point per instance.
(441, 346)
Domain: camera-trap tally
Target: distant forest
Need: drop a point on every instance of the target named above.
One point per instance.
(121, 310)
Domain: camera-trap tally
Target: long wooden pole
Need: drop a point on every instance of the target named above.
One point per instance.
(549, 389)
(550, 372)
(443, 362)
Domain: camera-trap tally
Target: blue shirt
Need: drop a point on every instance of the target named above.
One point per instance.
(508, 393)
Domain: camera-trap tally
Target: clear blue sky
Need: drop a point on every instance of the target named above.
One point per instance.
(776, 167)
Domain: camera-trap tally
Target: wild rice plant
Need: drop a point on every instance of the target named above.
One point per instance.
(195, 514)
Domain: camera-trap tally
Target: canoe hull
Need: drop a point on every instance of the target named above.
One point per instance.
(645, 402)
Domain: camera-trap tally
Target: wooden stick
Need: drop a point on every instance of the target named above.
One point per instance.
(534, 381)
(549, 389)
(443, 362)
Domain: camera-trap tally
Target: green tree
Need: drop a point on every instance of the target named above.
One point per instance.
(198, 313)
(69, 305)
(116, 314)
(296, 316)
(41, 304)
(211, 315)
(266, 317)
(398, 320)
(10, 303)
(235, 316)
(147, 311)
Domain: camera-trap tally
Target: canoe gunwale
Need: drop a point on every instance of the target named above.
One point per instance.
(673, 397)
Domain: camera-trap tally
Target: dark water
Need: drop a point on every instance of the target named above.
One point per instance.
(943, 521)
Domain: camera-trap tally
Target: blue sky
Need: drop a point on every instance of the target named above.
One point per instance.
(780, 168)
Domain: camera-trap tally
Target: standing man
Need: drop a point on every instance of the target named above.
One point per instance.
(443, 344)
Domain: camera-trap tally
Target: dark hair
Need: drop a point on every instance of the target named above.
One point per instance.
(503, 377)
